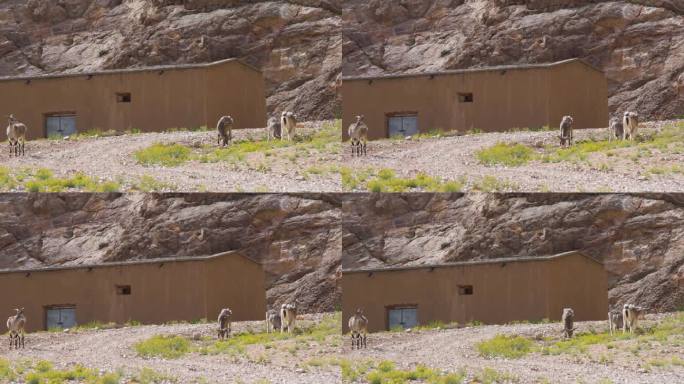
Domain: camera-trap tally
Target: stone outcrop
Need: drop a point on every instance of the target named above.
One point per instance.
(296, 43)
(296, 237)
(639, 44)
(639, 238)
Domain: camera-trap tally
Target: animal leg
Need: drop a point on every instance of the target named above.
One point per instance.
(364, 147)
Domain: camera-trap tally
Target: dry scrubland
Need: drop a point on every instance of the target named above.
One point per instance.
(179, 353)
(523, 160)
(316, 161)
(523, 353)
(181, 160)
(317, 353)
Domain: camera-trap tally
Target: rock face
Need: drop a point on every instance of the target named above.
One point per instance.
(639, 238)
(639, 43)
(296, 237)
(296, 43)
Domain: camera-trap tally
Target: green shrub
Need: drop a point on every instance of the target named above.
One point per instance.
(511, 155)
(168, 155)
(168, 347)
(386, 372)
(511, 347)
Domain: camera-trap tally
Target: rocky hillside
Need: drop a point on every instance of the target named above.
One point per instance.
(640, 238)
(296, 237)
(296, 43)
(638, 43)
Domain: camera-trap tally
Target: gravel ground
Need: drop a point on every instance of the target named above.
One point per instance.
(454, 157)
(453, 349)
(286, 362)
(111, 158)
(112, 349)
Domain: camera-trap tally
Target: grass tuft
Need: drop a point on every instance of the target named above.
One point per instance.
(44, 180)
(385, 180)
(386, 372)
(45, 372)
(167, 155)
(167, 347)
(511, 155)
(510, 347)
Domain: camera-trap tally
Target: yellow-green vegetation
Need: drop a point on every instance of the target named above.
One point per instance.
(666, 170)
(167, 155)
(370, 371)
(669, 140)
(385, 180)
(510, 155)
(150, 376)
(147, 183)
(386, 372)
(492, 376)
(490, 183)
(324, 140)
(168, 347)
(44, 372)
(436, 325)
(668, 332)
(510, 347)
(327, 328)
(44, 180)
(93, 325)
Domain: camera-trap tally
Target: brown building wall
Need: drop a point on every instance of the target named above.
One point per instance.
(161, 291)
(580, 91)
(161, 99)
(502, 291)
(504, 99)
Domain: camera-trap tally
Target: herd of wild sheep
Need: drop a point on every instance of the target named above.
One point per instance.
(284, 320)
(283, 128)
(357, 131)
(625, 129)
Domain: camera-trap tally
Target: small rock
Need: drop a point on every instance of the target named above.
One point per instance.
(408, 138)
(196, 336)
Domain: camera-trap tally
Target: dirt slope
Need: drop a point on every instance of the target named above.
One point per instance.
(639, 44)
(296, 237)
(296, 43)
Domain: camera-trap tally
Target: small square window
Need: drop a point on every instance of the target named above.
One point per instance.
(123, 97)
(465, 97)
(465, 289)
(123, 289)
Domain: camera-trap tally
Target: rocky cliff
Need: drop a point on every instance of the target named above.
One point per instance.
(296, 237)
(639, 238)
(638, 43)
(297, 43)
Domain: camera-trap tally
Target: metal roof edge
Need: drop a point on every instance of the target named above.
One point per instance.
(470, 70)
(473, 262)
(129, 70)
(130, 262)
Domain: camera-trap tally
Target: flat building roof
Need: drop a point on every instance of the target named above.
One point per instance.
(473, 262)
(471, 70)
